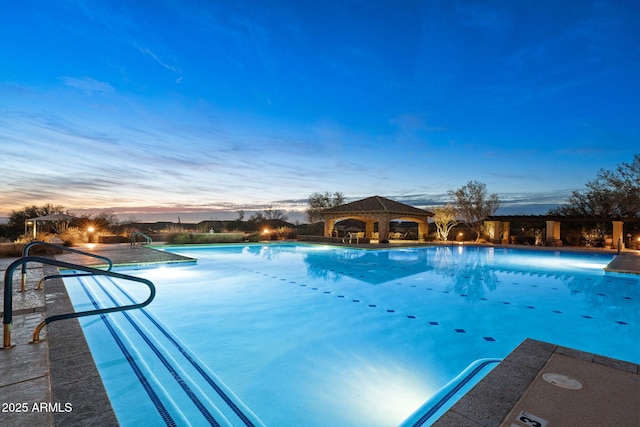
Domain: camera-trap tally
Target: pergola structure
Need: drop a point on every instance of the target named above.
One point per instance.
(499, 227)
(60, 219)
(376, 209)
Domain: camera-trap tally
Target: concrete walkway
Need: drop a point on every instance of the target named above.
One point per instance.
(56, 383)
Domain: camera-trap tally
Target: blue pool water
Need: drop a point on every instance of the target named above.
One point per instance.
(291, 335)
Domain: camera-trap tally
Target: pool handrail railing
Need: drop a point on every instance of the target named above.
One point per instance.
(134, 240)
(25, 253)
(8, 295)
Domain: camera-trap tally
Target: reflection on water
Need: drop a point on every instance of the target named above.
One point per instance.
(369, 266)
(548, 280)
(467, 272)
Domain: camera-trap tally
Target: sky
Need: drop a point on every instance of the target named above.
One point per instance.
(197, 109)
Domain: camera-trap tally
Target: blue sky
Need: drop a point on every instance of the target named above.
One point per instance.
(170, 107)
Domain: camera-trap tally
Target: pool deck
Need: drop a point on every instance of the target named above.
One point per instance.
(57, 383)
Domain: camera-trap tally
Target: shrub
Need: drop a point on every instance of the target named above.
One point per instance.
(11, 250)
(73, 235)
(286, 233)
(204, 238)
(255, 237)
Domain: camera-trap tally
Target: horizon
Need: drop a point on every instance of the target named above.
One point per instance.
(510, 204)
(187, 108)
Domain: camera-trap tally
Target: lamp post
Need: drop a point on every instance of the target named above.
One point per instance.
(91, 230)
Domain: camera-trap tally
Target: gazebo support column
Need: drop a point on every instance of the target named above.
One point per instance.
(618, 234)
(423, 230)
(329, 224)
(506, 233)
(493, 230)
(368, 228)
(383, 229)
(553, 231)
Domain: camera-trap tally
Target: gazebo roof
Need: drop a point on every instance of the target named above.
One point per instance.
(377, 204)
(54, 217)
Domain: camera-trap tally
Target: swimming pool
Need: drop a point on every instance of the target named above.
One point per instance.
(290, 335)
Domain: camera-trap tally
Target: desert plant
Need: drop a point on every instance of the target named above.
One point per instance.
(445, 218)
(286, 233)
(73, 235)
(254, 237)
(474, 205)
(595, 236)
(11, 250)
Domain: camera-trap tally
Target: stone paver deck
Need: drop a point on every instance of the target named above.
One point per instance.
(626, 262)
(57, 383)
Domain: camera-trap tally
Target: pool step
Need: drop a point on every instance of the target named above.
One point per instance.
(448, 395)
(184, 391)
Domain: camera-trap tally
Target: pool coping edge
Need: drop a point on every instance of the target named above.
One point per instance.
(491, 401)
(73, 371)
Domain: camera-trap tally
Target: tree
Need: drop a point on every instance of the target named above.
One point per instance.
(271, 213)
(106, 219)
(320, 201)
(268, 214)
(445, 218)
(474, 205)
(612, 194)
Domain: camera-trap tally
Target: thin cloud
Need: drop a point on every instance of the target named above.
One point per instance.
(414, 122)
(87, 84)
(483, 17)
(148, 52)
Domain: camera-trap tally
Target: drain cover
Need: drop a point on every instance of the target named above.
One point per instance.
(562, 381)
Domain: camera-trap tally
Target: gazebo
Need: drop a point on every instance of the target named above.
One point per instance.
(376, 209)
(60, 219)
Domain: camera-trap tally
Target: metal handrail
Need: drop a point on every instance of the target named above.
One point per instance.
(133, 237)
(25, 253)
(8, 295)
